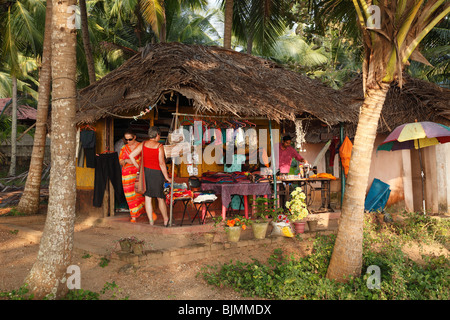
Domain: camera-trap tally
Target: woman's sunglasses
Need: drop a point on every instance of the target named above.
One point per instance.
(128, 139)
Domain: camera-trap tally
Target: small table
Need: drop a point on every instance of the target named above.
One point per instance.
(185, 201)
(243, 189)
(325, 190)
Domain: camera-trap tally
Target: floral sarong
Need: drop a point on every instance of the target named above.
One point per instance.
(135, 201)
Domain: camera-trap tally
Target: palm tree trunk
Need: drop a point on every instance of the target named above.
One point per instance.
(29, 202)
(87, 42)
(346, 259)
(228, 24)
(12, 167)
(250, 43)
(48, 273)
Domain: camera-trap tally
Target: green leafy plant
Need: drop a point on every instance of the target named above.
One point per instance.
(110, 291)
(104, 262)
(20, 294)
(284, 277)
(265, 209)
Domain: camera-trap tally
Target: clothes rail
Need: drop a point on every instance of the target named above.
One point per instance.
(219, 117)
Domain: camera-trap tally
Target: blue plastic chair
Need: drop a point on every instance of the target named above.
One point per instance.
(377, 197)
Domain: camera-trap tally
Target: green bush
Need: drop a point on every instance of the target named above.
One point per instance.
(284, 277)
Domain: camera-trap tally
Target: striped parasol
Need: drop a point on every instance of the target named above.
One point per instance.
(416, 135)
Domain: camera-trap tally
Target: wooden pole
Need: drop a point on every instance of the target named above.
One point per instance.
(173, 165)
(273, 163)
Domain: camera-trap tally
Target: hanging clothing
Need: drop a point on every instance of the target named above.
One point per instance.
(129, 171)
(218, 137)
(198, 133)
(107, 168)
(240, 137)
(345, 152)
(87, 142)
(236, 165)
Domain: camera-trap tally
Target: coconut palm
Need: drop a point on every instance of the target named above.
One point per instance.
(48, 274)
(403, 25)
(30, 199)
(18, 35)
(435, 47)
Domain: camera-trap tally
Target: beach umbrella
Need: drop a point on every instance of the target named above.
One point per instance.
(416, 135)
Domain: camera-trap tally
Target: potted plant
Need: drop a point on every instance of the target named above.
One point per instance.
(298, 209)
(265, 211)
(312, 221)
(132, 244)
(209, 236)
(234, 226)
(125, 244)
(137, 246)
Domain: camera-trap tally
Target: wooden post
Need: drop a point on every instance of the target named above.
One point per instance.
(110, 147)
(106, 196)
(173, 165)
(274, 174)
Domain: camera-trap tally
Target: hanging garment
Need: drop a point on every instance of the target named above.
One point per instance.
(187, 132)
(198, 133)
(217, 136)
(345, 152)
(87, 141)
(236, 165)
(240, 137)
(107, 168)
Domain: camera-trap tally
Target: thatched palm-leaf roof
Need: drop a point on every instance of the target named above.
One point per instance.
(216, 80)
(416, 100)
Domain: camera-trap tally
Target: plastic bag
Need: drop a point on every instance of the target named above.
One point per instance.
(282, 229)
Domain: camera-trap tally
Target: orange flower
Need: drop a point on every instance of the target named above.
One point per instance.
(230, 223)
(244, 226)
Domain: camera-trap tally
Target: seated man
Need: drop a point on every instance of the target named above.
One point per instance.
(286, 153)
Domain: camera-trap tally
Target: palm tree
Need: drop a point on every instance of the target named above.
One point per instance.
(48, 274)
(229, 4)
(18, 34)
(87, 41)
(403, 25)
(29, 201)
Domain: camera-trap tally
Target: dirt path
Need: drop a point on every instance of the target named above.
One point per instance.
(176, 281)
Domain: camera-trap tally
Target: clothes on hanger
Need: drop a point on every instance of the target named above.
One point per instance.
(107, 168)
(86, 148)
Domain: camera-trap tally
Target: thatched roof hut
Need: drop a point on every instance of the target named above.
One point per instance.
(416, 100)
(215, 80)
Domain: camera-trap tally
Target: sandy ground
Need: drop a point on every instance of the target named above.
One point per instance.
(177, 281)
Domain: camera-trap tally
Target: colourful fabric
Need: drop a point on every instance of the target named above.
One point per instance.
(135, 201)
(345, 152)
(151, 158)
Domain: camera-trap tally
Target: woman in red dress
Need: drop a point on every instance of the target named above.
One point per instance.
(155, 172)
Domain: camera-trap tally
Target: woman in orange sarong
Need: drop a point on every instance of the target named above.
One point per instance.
(135, 201)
